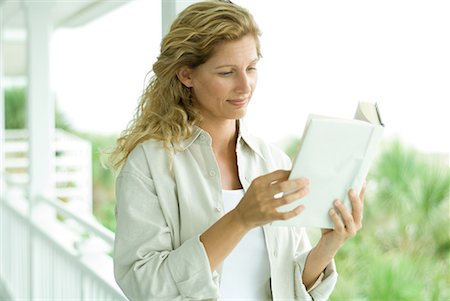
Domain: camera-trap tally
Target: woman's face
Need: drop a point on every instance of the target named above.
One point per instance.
(223, 86)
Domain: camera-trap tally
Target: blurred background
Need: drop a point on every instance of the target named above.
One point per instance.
(71, 75)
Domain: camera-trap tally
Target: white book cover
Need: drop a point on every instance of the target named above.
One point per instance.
(335, 155)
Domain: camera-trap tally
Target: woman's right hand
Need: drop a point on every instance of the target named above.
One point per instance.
(259, 204)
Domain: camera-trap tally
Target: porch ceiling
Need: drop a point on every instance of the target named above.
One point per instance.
(64, 14)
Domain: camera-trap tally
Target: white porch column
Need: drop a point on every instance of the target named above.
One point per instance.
(170, 9)
(41, 107)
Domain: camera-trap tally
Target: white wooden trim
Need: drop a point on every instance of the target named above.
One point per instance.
(40, 103)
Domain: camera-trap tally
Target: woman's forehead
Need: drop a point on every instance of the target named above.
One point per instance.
(231, 52)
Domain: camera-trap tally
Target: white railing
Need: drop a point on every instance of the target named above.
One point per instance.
(54, 254)
(73, 168)
(51, 251)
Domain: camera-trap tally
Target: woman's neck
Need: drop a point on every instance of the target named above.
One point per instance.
(224, 138)
(223, 135)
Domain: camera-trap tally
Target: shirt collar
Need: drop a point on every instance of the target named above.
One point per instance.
(251, 141)
(186, 143)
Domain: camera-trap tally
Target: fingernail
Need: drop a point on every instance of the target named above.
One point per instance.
(352, 192)
(337, 202)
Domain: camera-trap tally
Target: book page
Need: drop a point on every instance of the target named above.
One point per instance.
(368, 112)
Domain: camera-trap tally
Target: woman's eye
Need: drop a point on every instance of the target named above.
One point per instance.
(226, 73)
(251, 69)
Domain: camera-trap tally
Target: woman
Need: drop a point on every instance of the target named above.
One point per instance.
(196, 193)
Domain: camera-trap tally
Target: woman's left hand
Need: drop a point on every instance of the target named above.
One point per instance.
(347, 224)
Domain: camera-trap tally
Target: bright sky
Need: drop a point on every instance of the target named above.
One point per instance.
(319, 57)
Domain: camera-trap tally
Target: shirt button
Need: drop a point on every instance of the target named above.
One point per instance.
(218, 208)
(212, 173)
(275, 253)
(202, 137)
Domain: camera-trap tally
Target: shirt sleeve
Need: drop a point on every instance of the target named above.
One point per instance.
(147, 266)
(324, 286)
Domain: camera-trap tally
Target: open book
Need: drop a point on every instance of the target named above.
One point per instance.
(335, 155)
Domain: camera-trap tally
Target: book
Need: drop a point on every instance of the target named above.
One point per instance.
(335, 154)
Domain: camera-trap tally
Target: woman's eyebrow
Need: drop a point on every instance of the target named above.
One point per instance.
(231, 65)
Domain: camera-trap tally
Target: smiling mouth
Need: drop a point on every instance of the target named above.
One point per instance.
(237, 102)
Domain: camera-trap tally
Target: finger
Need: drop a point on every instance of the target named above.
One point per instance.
(357, 207)
(275, 176)
(362, 194)
(289, 198)
(339, 226)
(289, 186)
(347, 218)
(290, 214)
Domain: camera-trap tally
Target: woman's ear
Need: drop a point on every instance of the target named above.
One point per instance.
(184, 75)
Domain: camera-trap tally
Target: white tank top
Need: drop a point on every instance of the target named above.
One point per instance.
(246, 271)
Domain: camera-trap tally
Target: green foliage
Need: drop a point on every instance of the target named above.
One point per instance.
(106, 214)
(16, 110)
(61, 121)
(103, 178)
(409, 179)
(291, 147)
(402, 252)
(395, 279)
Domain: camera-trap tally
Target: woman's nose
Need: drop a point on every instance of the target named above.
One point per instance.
(243, 84)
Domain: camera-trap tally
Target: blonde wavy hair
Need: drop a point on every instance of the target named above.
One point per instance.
(165, 111)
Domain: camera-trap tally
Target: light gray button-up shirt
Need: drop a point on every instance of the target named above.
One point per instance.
(162, 212)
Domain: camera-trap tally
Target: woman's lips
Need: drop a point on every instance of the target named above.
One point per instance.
(237, 102)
